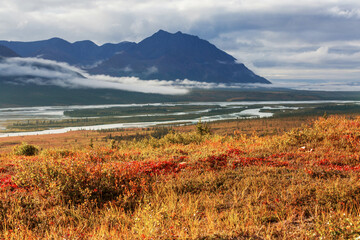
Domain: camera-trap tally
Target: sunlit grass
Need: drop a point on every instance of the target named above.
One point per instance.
(303, 184)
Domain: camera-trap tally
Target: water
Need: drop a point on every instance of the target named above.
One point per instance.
(239, 110)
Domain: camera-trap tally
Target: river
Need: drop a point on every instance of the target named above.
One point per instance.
(238, 110)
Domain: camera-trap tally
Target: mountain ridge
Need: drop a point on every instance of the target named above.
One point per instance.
(161, 56)
(80, 53)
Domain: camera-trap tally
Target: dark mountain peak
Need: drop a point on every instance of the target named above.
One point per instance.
(7, 52)
(161, 32)
(57, 41)
(86, 43)
(168, 34)
(160, 35)
(164, 34)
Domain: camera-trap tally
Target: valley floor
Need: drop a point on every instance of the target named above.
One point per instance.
(248, 179)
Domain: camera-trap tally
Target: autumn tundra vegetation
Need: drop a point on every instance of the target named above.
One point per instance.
(302, 183)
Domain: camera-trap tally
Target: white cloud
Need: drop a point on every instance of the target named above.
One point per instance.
(346, 13)
(47, 72)
(36, 67)
(291, 74)
(152, 70)
(313, 85)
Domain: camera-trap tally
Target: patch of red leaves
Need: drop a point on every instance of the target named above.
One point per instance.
(235, 158)
(7, 183)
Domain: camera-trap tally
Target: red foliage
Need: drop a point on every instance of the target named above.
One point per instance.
(235, 158)
(7, 183)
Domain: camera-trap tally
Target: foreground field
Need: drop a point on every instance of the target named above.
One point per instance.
(303, 184)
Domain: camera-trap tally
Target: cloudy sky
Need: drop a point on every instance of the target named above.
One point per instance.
(278, 39)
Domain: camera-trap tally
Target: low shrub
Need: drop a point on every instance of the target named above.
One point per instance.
(25, 150)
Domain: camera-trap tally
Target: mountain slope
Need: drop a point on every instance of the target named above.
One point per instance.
(81, 53)
(7, 52)
(167, 56)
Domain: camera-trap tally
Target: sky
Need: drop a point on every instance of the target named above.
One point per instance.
(282, 40)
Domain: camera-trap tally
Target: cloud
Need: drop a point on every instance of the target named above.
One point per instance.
(318, 85)
(151, 70)
(268, 36)
(345, 13)
(116, 20)
(46, 72)
(17, 67)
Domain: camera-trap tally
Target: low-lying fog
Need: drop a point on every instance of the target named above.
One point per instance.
(47, 72)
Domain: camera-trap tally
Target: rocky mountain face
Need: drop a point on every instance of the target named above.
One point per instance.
(167, 56)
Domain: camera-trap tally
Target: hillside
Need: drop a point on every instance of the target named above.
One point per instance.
(299, 185)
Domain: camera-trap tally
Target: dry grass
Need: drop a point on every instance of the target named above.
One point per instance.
(303, 184)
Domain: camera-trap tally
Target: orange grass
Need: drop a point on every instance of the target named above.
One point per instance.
(303, 184)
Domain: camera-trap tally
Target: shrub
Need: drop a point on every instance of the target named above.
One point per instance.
(183, 138)
(25, 150)
(160, 132)
(202, 128)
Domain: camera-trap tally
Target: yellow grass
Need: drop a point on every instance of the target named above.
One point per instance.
(303, 184)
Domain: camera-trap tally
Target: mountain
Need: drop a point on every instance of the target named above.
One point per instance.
(167, 56)
(81, 53)
(7, 52)
(163, 56)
